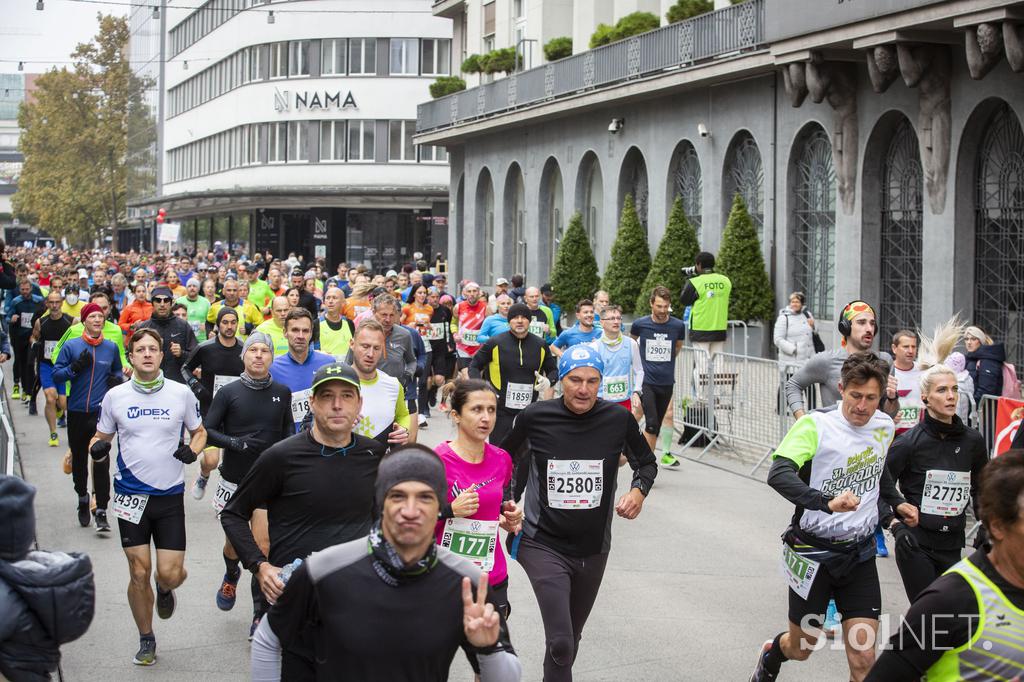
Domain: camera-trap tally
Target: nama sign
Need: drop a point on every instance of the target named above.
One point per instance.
(286, 100)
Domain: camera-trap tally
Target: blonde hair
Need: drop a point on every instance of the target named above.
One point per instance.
(976, 332)
(935, 349)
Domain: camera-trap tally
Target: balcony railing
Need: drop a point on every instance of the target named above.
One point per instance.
(727, 31)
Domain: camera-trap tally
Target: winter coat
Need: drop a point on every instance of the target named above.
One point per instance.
(965, 405)
(46, 599)
(985, 366)
(793, 336)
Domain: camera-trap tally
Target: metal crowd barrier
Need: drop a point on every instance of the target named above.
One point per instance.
(8, 442)
(984, 419)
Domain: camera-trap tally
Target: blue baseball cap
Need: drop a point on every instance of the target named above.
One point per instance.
(580, 355)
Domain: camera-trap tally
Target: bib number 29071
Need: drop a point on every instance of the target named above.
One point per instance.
(575, 483)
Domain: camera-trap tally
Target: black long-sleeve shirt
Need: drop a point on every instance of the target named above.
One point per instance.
(238, 411)
(214, 359)
(559, 435)
(505, 358)
(173, 330)
(315, 497)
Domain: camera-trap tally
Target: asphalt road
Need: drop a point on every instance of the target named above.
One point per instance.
(693, 586)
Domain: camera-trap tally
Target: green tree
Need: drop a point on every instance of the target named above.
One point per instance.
(677, 250)
(631, 259)
(446, 85)
(574, 276)
(558, 48)
(629, 25)
(741, 261)
(686, 9)
(75, 140)
(471, 64)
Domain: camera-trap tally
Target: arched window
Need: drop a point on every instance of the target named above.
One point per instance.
(551, 202)
(593, 200)
(999, 233)
(745, 175)
(633, 181)
(485, 223)
(814, 223)
(688, 184)
(901, 228)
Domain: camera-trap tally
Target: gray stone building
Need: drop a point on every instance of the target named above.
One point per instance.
(878, 144)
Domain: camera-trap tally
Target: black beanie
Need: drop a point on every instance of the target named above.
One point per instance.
(18, 531)
(411, 463)
(519, 310)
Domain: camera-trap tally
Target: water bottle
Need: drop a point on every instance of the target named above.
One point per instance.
(686, 315)
(286, 573)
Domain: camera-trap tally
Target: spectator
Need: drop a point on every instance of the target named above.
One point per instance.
(794, 332)
(518, 288)
(46, 598)
(985, 360)
(965, 385)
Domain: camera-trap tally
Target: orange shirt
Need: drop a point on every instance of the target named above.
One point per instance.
(415, 315)
(355, 306)
(136, 311)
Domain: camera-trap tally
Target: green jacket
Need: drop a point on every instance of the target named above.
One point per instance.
(708, 295)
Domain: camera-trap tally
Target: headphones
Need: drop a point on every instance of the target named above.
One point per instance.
(844, 325)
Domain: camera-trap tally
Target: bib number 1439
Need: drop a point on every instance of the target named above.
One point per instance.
(129, 507)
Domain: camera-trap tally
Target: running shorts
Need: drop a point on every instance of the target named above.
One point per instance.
(655, 401)
(857, 595)
(442, 364)
(46, 378)
(163, 522)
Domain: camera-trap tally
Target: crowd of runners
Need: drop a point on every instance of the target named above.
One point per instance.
(372, 556)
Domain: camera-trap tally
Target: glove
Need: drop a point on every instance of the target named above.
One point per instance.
(904, 537)
(247, 444)
(542, 384)
(100, 450)
(199, 390)
(82, 361)
(114, 380)
(185, 455)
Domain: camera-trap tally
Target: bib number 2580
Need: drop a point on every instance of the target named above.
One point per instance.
(575, 483)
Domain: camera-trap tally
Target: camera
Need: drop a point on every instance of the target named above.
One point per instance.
(690, 271)
(703, 131)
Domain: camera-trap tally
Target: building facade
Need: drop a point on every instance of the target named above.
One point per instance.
(287, 127)
(878, 145)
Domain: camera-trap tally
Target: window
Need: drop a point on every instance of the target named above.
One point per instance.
(432, 154)
(254, 135)
(279, 60)
(332, 57)
(362, 56)
(489, 19)
(360, 141)
(400, 146)
(517, 9)
(404, 58)
(332, 140)
(298, 58)
(297, 147)
(436, 55)
(276, 142)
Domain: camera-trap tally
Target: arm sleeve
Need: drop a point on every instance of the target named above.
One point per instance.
(215, 418)
(638, 368)
(410, 358)
(191, 363)
(514, 439)
(191, 343)
(689, 295)
(62, 365)
(5, 343)
(500, 666)
(797, 449)
(887, 492)
(641, 459)
(895, 464)
(287, 423)
(484, 335)
(262, 483)
(814, 371)
(781, 342)
(979, 458)
(478, 365)
(549, 368)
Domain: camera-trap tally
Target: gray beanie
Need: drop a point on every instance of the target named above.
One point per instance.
(258, 337)
(411, 463)
(18, 531)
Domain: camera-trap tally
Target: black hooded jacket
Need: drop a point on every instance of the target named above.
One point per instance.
(985, 366)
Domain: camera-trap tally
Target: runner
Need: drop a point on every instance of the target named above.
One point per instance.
(247, 417)
(274, 327)
(219, 362)
(72, 306)
(137, 311)
(385, 414)
(335, 329)
(967, 624)
(831, 465)
(21, 313)
(583, 331)
(566, 533)
(542, 322)
(601, 299)
(403, 621)
(249, 317)
(469, 317)
(198, 308)
(179, 341)
(442, 346)
(660, 337)
(89, 362)
(498, 322)
(316, 486)
(111, 332)
(148, 415)
(295, 368)
(623, 377)
(908, 380)
(48, 330)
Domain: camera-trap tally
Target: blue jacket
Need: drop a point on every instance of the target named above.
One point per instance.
(89, 386)
(985, 366)
(420, 349)
(21, 306)
(493, 325)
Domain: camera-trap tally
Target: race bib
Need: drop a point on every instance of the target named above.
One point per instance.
(472, 539)
(48, 348)
(616, 389)
(518, 396)
(25, 320)
(469, 337)
(195, 327)
(538, 329)
(300, 405)
(225, 489)
(799, 571)
(908, 417)
(946, 493)
(435, 332)
(658, 350)
(130, 507)
(220, 381)
(575, 483)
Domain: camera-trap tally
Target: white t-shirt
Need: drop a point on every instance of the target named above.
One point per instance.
(909, 390)
(149, 428)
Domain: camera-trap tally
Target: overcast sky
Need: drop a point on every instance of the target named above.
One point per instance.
(44, 39)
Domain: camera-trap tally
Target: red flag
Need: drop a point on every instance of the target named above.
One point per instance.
(1008, 417)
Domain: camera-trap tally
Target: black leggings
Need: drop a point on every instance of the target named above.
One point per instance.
(24, 372)
(81, 429)
(566, 589)
(920, 567)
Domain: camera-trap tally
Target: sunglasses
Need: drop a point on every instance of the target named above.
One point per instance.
(161, 299)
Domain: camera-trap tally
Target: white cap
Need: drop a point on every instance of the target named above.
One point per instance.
(82, 272)
(391, 273)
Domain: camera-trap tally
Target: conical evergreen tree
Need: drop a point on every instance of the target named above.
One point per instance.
(630, 262)
(677, 250)
(574, 276)
(741, 261)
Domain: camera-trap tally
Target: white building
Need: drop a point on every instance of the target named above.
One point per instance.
(288, 126)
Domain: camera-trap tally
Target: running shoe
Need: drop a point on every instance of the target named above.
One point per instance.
(423, 421)
(65, 463)
(881, 550)
(199, 489)
(165, 602)
(760, 673)
(83, 511)
(226, 594)
(16, 393)
(32, 409)
(668, 460)
(831, 625)
(102, 525)
(53, 440)
(252, 628)
(62, 420)
(147, 652)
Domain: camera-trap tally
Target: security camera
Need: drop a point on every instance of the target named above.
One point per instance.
(616, 125)
(703, 131)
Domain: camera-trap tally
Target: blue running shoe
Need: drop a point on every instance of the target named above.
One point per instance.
(880, 549)
(226, 594)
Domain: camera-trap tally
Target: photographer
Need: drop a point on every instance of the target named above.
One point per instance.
(707, 294)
